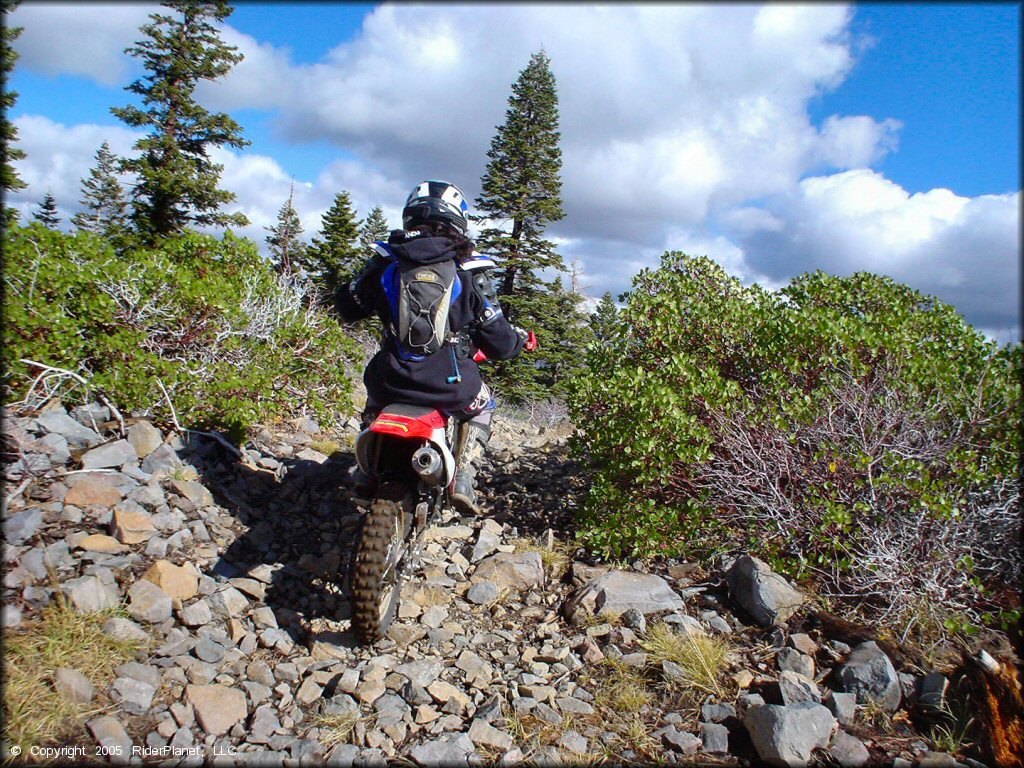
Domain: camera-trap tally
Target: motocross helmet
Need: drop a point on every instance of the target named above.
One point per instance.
(436, 202)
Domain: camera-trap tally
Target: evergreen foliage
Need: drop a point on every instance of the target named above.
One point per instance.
(334, 255)
(374, 228)
(285, 240)
(9, 179)
(106, 209)
(47, 213)
(846, 427)
(233, 343)
(602, 321)
(520, 195)
(177, 183)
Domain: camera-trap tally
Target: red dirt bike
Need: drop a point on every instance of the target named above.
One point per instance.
(410, 454)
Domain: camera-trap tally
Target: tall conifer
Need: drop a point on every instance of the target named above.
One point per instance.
(374, 228)
(285, 240)
(9, 179)
(106, 209)
(47, 213)
(520, 195)
(334, 255)
(177, 183)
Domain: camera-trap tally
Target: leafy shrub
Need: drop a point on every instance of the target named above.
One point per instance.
(848, 428)
(232, 343)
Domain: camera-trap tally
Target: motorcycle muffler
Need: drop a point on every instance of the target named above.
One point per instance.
(428, 464)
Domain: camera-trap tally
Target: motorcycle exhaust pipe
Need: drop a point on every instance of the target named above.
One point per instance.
(428, 464)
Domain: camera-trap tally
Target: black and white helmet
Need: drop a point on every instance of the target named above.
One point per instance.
(433, 202)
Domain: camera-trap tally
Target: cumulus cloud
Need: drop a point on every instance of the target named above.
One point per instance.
(683, 126)
(965, 251)
(85, 39)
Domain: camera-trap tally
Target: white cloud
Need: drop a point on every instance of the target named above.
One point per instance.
(965, 251)
(85, 39)
(682, 126)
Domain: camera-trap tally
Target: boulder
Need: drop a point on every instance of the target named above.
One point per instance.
(180, 581)
(785, 736)
(145, 438)
(92, 490)
(217, 707)
(115, 454)
(616, 592)
(766, 596)
(869, 674)
(147, 602)
(512, 570)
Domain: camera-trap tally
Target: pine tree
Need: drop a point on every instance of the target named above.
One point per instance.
(522, 182)
(9, 179)
(374, 228)
(47, 213)
(285, 240)
(177, 183)
(106, 210)
(604, 317)
(520, 196)
(334, 256)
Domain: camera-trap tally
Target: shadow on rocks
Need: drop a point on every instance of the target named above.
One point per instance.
(298, 535)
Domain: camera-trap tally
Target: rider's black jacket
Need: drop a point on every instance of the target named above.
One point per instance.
(427, 382)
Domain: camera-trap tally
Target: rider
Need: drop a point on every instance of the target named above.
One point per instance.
(448, 379)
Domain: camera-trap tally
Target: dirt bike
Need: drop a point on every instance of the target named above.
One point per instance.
(410, 453)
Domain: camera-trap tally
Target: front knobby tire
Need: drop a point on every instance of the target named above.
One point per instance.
(376, 575)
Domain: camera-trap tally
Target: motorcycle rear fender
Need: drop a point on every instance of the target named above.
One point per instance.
(408, 422)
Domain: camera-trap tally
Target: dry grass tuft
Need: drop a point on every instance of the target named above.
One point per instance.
(702, 657)
(335, 730)
(622, 689)
(34, 713)
(326, 447)
(555, 554)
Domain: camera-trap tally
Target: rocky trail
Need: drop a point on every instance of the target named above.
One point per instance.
(508, 649)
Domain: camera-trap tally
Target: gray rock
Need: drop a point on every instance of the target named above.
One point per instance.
(56, 446)
(177, 642)
(162, 461)
(869, 674)
(680, 622)
(572, 741)
(88, 594)
(144, 672)
(228, 602)
(10, 616)
(848, 750)
(124, 629)
(714, 738)
(149, 603)
(391, 710)
(843, 706)
(795, 688)
(635, 620)
(512, 570)
(343, 756)
(716, 713)
(133, 696)
(77, 435)
(932, 697)
(73, 685)
(22, 526)
(341, 704)
(679, 741)
(786, 736)
(766, 596)
(616, 592)
(449, 749)
(573, 706)
(197, 614)
(483, 592)
(716, 622)
(792, 660)
(92, 415)
(113, 454)
(110, 734)
(422, 672)
(207, 650)
(483, 733)
(486, 544)
(145, 438)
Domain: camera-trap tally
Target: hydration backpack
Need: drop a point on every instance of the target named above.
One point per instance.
(419, 296)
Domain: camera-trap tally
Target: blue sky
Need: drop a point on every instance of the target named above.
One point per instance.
(773, 138)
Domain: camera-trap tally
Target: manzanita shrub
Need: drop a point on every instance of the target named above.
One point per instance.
(231, 343)
(849, 429)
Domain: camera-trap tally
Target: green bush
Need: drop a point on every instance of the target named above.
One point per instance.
(847, 428)
(231, 343)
